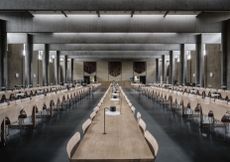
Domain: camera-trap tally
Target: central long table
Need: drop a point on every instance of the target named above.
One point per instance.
(123, 140)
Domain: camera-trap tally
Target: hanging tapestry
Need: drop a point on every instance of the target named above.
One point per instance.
(90, 67)
(114, 68)
(139, 67)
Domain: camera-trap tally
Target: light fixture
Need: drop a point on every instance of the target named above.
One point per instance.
(166, 13)
(61, 58)
(204, 52)
(17, 75)
(51, 60)
(63, 12)
(188, 55)
(178, 59)
(24, 50)
(98, 13)
(40, 55)
(53, 56)
(132, 13)
(211, 74)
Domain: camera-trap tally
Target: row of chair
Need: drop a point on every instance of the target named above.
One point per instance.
(153, 144)
(15, 113)
(88, 122)
(154, 147)
(6, 96)
(211, 113)
(75, 139)
(205, 92)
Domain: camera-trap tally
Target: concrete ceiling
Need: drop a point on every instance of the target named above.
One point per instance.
(113, 38)
(114, 54)
(114, 47)
(120, 5)
(22, 23)
(106, 29)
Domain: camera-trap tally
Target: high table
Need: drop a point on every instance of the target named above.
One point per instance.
(123, 140)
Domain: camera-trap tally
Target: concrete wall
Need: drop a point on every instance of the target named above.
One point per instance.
(68, 70)
(193, 67)
(15, 63)
(102, 73)
(51, 74)
(78, 70)
(177, 71)
(151, 71)
(34, 71)
(127, 70)
(213, 64)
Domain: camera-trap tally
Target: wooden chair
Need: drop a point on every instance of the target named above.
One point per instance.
(73, 144)
(96, 109)
(86, 125)
(92, 115)
(142, 125)
(133, 109)
(154, 147)
(138, 116)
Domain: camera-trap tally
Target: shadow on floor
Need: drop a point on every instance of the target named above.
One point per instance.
(48, 141)
(180, 140)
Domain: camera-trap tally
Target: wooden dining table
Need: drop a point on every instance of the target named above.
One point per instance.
(123, 141)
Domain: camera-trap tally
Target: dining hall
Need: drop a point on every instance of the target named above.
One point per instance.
(114, 81)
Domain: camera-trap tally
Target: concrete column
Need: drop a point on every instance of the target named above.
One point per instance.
(71, 70)
(157, 70)
(199, 61)
(57, 68)
(163, 68)
(171, 67)
(183, 65)
(3, 53)
(225, 66)
(45, 65)
(28, 60)
(65, 68)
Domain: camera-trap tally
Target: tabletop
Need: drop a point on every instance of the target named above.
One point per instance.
(123, 140)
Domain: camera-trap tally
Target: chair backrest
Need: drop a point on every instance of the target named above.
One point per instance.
(142, 125)
(130, 104)
(73, 144)
(138, 116)
(96, 109)
(133, 109)
(86, 125)
(92, 115)
(154, 147)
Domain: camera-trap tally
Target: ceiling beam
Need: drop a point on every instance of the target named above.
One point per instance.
(123, 38)
(166, 13)
(63, 12)
(114, 54)
(114, 47)
(21, 22)
(121, 5)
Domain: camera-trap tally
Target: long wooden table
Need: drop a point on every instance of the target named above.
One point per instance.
(123, 140)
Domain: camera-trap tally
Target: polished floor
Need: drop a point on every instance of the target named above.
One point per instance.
(48, 141)
(180, 140)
